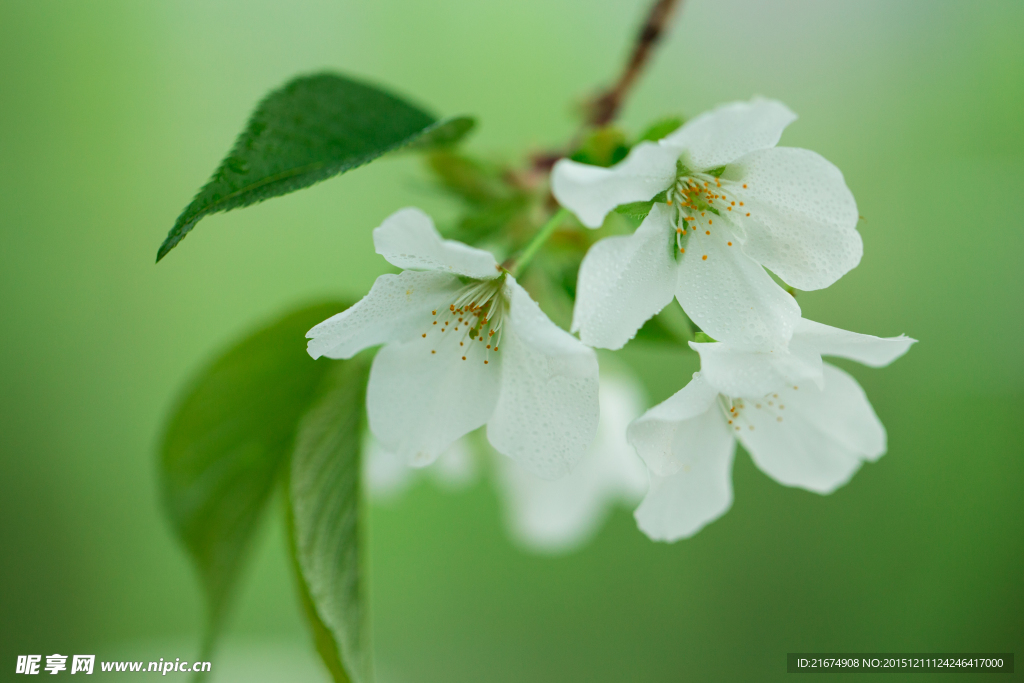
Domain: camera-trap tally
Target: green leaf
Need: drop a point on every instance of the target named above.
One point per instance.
(702, 338)
(326, 526)
(661, 128)
(227, 442)
(323, 639)
(445, 134)
(309, 130)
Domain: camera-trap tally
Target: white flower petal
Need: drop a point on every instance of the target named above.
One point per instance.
(667, 435)
(875, 352)
(623, 281)
(561, 514)
(724, 134)
(418, 403)
(822, 437)
(397, 308)
(700, 491)
(803, 218)
(729, 295)
(591, 192)
(752, 373)
(547, 411)
(408, 239)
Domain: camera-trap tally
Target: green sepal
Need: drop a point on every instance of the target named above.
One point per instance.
(635, 209)
(716, 172)
(641, 209)
(702, 338)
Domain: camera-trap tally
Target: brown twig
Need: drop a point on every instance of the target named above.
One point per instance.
(606, 106)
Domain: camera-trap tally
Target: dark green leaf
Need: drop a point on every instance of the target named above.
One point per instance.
(444, 134)
(327, 530)
(309, 130)
(229, 439)
(661, 128)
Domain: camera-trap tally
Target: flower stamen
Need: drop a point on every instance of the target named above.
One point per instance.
(479, 308)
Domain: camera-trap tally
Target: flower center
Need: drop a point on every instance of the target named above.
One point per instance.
(736, 409)
(475, 317)
(698, 199)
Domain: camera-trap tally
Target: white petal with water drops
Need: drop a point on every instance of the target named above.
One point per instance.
(408, 239)
(819, 439)
(875, 352)
(418, 402)
(729, 131)
(729, 295)
(623, 281)
(591, 192)
(803, 218)
(547, 410)
(397, 308)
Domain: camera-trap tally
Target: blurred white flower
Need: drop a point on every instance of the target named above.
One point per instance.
(728, 203)
(465, 346)
(387, 475)
(562, 514)
(806, 435)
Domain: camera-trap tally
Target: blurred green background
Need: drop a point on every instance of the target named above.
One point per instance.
(114, 113)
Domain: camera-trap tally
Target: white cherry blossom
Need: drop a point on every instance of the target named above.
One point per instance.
(728, 204)
(812, 435)
(465, 345)
(552, 516)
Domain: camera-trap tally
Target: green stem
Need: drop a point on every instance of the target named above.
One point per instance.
(520, 262)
